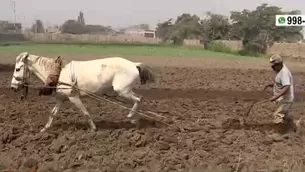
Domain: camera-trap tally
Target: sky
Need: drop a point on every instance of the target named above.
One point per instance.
(122, 13)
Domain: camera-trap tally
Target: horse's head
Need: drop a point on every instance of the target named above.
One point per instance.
(20, 71)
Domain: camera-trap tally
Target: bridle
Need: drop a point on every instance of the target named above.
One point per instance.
(26, 71)
(25, 78)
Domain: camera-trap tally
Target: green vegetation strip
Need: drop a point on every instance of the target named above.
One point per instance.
(115, 49)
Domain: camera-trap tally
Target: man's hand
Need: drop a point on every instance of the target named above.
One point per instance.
(273, 98)
(269, 85)
(284, 90)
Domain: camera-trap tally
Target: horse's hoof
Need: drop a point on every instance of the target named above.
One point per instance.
(134, 121)
(93, 129)
(22, 98)
(42, 130)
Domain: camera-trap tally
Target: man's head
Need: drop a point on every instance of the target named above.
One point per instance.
(276, 62)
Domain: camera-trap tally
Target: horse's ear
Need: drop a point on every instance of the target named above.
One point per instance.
(25, 57)
(58, 60)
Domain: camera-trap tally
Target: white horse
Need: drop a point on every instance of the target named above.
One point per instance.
(95, 76)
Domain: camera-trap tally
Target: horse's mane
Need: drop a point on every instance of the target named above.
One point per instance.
(41, 61)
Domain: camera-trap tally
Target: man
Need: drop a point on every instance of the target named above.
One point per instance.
(52, 79)
(283, 91)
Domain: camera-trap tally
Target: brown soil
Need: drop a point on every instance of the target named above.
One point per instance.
(204, 105)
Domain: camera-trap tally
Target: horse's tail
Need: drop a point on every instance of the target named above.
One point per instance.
(145, 73)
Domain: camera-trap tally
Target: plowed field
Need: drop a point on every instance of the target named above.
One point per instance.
(206, 104)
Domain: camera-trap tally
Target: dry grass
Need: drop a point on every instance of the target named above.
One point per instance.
(294, 50)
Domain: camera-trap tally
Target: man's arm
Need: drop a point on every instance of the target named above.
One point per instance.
(284, 90)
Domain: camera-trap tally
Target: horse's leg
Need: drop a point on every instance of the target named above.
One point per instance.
(128, 94)
(53, 113)
(123, 85)
(78, 103)
(136, 100)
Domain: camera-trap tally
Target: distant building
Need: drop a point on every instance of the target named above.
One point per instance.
(52, 30)
(6, 26)
(149, 33)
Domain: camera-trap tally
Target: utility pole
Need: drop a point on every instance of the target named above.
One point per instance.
(14, 12)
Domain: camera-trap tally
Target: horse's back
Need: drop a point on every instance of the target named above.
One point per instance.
(117, 65)
(114, 61)
(98, 74)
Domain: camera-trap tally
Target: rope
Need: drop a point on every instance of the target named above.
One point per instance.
(100, 98)
(253, 104)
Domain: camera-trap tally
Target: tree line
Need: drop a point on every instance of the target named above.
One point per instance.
(74, 26)
(255, 28)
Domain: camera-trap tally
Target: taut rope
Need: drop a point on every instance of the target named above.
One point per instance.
(100, 98)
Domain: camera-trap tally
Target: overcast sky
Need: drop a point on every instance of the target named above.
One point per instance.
(120, 13)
